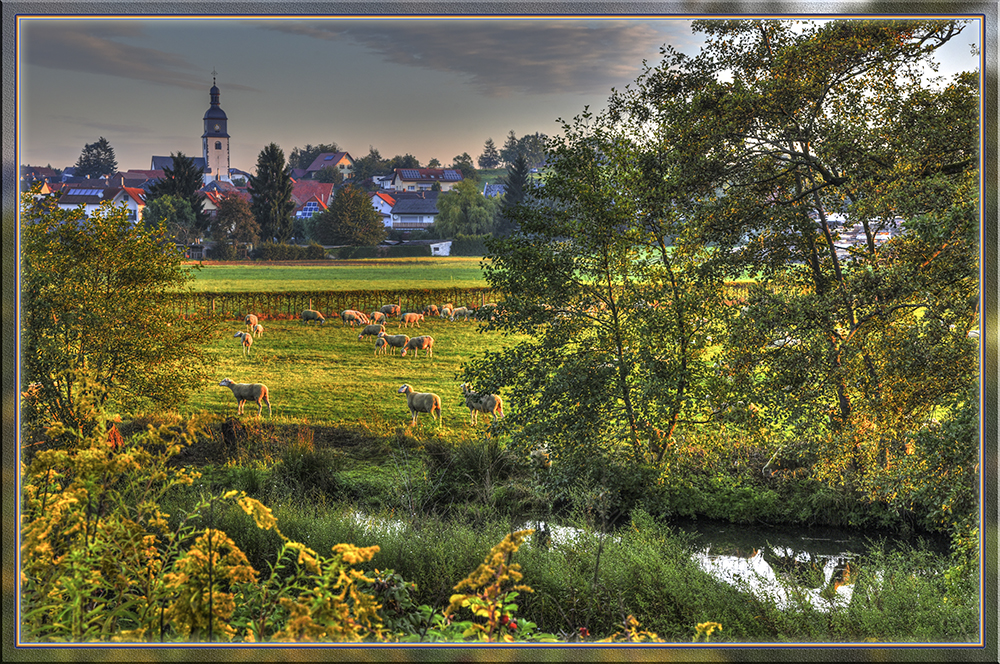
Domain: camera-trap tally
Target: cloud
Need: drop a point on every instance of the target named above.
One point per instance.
(507, 57)
(97, 47)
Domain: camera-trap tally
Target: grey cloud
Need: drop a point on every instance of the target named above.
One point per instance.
(94, 47)
(506, 57)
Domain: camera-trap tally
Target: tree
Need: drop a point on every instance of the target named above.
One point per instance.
(183, 180)
(329, 174)
(271, 195)
(738, 161)
(234, 221)
(350, 220)
(517, 184)
(463, 163)
(403, 161)
(532, 146)
(465, 210)
(97, 309)
(304, 157)
(490, 158)
(97, 159)
(370, 165)
(434, 163)
(173, 213)
(510, 148)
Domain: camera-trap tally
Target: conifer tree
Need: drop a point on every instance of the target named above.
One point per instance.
(490, 158)
(271, 195)
(97, 159)
(183, 180)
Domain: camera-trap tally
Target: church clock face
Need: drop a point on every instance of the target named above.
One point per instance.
(216, 127)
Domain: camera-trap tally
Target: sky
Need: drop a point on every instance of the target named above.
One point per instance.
(433, 87)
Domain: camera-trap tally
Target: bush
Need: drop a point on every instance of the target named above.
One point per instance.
(222, 251)
(288, 252)
(469, 245)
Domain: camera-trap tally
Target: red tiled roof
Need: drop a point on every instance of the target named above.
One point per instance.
(306, 189)
(384, 196)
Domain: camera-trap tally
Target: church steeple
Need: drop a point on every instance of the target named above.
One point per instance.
(215, 139)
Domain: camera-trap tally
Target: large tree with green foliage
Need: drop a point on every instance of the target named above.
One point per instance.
(234, 222)
(97, 317)
(97, 159)
(304, 157)
(184, 180)
(172, 212)
(463, 164)
(465, 210)
(271, 195)
(517, 185)
(731, 164)
(350, 220)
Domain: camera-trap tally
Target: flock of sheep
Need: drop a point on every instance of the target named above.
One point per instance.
(374, 326)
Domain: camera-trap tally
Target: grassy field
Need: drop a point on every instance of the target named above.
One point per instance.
(383, 273)
(323, 375)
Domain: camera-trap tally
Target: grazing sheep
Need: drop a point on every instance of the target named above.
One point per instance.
(352, 317)
(312, 314)
(461, 312)
(258, 330)
(380, 346)
(390, 309)
(446, 310)
(250, 320)
(431, 310)
(371, 331)
(421, 402)
(377, 317)
(247, 341)
(410, 319)
(419, 343)
(482, 403)
(395, 340)
(249, 392)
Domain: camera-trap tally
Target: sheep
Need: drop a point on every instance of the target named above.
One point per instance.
(352, 317)
(249, 392)
(250, 320)
(461, 312)
(421, 402)
(431, 310)
(258, 330)
(247, 341)
(446, 309)
(395, 340)
(419, 343)
(380, 345)
(377, 317)
(371, 331)
(311, 314)
(482, 403)
(410, 319)
(486, 312)
(390, 309)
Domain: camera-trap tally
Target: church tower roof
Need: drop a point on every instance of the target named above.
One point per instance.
(214, 111)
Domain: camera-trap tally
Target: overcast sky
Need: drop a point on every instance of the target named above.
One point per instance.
(431, 87)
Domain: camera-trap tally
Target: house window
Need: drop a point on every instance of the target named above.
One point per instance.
(218, 145)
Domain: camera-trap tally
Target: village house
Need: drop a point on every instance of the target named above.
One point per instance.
(341, 162)
(424, 179)
(383, 202)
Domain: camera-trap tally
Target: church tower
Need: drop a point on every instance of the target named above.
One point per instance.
(215, 140)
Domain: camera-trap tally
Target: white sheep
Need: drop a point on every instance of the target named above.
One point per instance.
(431, 310)
(410, 319)
(311, 314)
(447, 309)
(249, 392)
(247, 341)
(421, 402)
(371, 331)
(258, 330)
(461, 312)
(482, 403)
(419, 343)
(352, 317)
(250, 320)
(390, 309)
(377, 317)
(395, 340)
(380, 346)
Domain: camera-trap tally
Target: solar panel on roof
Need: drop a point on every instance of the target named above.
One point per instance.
(410, 174)
(452, 175)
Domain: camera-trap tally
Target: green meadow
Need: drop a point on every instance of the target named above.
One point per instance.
(380, 274)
